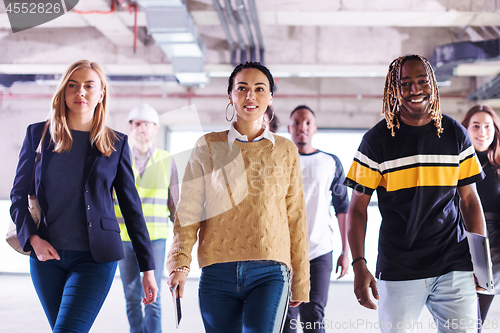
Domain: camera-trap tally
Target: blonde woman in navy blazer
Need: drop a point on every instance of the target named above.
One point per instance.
(77, 246)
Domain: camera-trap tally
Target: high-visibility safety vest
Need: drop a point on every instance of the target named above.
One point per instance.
(153, 191)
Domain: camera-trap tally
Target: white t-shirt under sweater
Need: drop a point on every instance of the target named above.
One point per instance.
(323, 179)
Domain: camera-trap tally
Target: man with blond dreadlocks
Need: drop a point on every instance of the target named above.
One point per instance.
(423, 166)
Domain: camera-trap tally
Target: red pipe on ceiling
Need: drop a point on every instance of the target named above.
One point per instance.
(113, 6)
(131, 8)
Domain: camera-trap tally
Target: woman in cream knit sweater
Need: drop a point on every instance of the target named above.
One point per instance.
(242, 199)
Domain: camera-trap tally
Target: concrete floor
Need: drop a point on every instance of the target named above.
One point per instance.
(20, 311)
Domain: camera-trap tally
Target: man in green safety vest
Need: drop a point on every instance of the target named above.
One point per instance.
(157, 183)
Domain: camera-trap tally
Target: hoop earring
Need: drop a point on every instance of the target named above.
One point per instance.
(272, 117)
(234, 111)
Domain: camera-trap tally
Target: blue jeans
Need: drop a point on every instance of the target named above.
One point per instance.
(132, 288)
(244, 296)
(313, 313)
(450, 298)
(72, 290)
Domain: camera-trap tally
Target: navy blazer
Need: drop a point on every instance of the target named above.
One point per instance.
(101, 175)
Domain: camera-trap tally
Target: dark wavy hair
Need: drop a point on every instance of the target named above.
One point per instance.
(256, 65)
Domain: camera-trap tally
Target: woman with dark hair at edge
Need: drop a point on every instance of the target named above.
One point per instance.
(483, 126)
(242, 196)
(75, 250)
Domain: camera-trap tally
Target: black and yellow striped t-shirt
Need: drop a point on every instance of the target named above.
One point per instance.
(416, 174)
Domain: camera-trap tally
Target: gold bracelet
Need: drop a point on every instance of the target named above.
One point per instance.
(183, 269)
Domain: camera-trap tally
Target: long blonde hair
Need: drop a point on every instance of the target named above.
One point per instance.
(100, 135)
(392, 93)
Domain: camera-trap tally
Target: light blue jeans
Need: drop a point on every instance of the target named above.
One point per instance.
(450, 298)
(132, 288)
(244, 296)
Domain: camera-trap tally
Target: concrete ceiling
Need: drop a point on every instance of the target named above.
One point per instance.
(330, 54)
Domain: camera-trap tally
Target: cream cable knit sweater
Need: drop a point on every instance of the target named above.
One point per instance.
(247, 204)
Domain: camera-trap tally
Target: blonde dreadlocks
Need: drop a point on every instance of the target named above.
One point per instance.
(392, 93)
